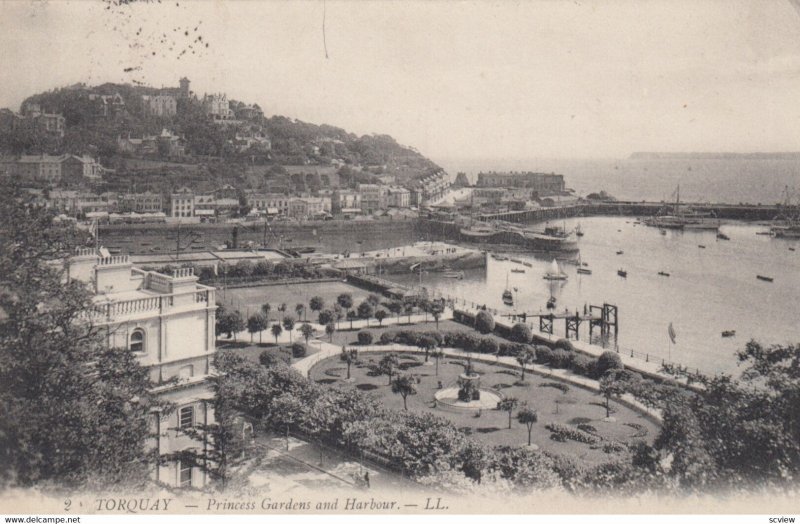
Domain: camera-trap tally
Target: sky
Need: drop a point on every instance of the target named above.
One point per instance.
(454, 79)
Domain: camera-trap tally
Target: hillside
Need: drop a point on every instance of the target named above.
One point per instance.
(96, 117)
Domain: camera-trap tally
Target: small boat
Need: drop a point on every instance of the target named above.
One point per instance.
(663, 273)
(584, 271)
(619, 231)
(763, 233)
(622, 273)
(791, 249)
(729, 333)
(528, 264)
(500, 257)
(723, 236)
(555, 272)
(453, 274)
(514, 260)
(620, 252)
(517, 270)
(578, 231)
(508, 297)
(765, 279)
(701, 246)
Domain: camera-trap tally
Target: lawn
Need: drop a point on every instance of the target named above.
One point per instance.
(248, 300)
(572, 408)
(345, 336)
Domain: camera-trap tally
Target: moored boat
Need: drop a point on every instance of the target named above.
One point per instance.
(515, 270)
(765, 279)
(554, 272)
(663, 273)
(622, 273)
(723, 236)
(729, 333)
(584, 271)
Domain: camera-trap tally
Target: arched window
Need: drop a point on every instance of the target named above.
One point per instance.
(136, 343)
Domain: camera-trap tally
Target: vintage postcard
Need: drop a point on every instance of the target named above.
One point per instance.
(388, 258)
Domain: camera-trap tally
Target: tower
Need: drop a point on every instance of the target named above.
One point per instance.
(184, 93)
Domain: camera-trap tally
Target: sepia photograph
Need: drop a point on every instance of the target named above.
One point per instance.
(380, 257)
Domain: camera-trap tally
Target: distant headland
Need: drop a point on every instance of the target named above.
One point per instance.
(647, 155)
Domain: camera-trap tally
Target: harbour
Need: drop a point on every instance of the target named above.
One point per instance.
(709, 291)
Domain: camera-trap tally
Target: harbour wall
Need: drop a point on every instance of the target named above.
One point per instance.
(719, 211)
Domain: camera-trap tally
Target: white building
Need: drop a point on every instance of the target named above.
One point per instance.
(167, 321)
(182, 203)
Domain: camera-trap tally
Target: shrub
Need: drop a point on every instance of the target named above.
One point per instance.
(298, 350)
(484, 322)
(608, 360)
(521, 333)
(487, 345)
(562, 433)
(543, 354)
(275, 356)
(582, 365)
(388, 337)
(560, 359)
(365, 338)
(556, 385)
(564, 344)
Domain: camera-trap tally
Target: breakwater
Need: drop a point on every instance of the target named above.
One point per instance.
(720, 211)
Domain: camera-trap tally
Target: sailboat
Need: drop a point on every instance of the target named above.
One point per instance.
(508, 297)
(578, 230)
(554, 272)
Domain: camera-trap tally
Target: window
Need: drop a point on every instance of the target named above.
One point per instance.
(136, 343)
(184, 474)
(186, 417)
(186, 372)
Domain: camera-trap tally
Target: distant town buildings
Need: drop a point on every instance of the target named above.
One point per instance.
(217, 107)
(398, 197)
(146, 202)
(544, 184)
(33, 118)
(51, 169)
(429, 188)
(160, 105)
(373, 197)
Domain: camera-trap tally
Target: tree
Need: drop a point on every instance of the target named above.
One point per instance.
(426, 343)
(612, 385)
(528, 416)
(380, 315)
(396, 307)
(484, 322)
(330, 328)
(300, 310)
(325, 317)
(508, 404)
(276, 331)
(316, 304)
(282, 309)
(437, 354)
(408, 307)
(348, 356)
(57, 371)
(256, 324)
(387, 365)
(351, 316)
(230, 323)
(436, 311)
(526, 357)
(521, 333)
(345, 301)
(307, 330)
(266, 308)
(288, 325)
(404, 385)
(373, 300)
(365, 311)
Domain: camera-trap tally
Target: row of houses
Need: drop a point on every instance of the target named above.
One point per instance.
(34, 119)
(68, 170)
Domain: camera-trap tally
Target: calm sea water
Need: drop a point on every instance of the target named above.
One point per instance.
(701, 180)
(710, 290)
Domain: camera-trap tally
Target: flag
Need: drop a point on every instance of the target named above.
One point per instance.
(671, 333)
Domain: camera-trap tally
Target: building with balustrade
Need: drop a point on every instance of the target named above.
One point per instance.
(167, 321)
